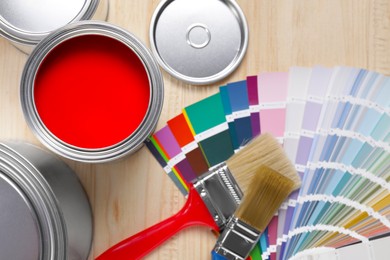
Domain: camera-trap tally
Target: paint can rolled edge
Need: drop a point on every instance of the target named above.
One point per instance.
(55, 197)
(26, 40)
(134, 141)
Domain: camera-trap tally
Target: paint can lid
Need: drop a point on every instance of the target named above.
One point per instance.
(27, 22)
(199, 41)
(32, 225)
(20, 235)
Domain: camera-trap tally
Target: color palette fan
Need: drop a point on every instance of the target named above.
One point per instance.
(334, 124)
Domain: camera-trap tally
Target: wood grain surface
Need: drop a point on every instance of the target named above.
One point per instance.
(133, 193)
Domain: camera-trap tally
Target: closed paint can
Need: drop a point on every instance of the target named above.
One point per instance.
(91, 92)
(26, 23)
(45, 213)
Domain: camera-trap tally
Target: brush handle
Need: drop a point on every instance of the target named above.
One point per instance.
(194, 212)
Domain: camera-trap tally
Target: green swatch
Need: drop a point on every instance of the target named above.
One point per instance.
(205, 115)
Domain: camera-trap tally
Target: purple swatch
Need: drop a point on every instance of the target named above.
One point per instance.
(253, 97)
(304, 148)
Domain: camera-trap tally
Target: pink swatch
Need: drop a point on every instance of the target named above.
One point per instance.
(272, 89)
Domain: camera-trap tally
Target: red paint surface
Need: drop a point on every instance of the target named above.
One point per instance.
(92, 91)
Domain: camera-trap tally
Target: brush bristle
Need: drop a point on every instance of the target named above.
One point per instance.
(262, 150)
(264, 196)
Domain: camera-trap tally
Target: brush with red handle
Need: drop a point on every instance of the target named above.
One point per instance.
(194, 212)
(212, 199)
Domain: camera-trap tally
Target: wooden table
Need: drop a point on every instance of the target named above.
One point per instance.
(131, 194)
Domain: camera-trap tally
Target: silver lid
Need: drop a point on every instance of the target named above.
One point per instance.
(31, 222)
(19, 236)
(199, 41)
(27, 22)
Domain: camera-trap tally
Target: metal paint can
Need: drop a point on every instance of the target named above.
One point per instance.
(198, 41)
(26, 23)
(64, 35)
(45, 213)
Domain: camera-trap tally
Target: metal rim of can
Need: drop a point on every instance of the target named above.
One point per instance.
(33, 38)
(126, 146)
(49, 217)
(236, 10)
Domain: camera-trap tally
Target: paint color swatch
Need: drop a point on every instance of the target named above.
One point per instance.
(207, 121)
(239, 102)
(253, 98)
(189, 147)
(158, 154)
(334, 124)
(340, 199)
(173, 151)
(272, 90)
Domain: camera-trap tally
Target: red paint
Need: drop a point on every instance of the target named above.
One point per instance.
(92, 91)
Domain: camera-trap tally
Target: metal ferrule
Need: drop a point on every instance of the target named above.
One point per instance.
(220, 193)
(237, 240)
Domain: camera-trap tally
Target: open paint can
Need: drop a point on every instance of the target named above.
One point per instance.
(92, 92)
(45, 213)
(199, 41)
(26, 23)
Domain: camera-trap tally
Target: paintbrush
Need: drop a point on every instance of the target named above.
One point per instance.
(212, 198)
(264, 196)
